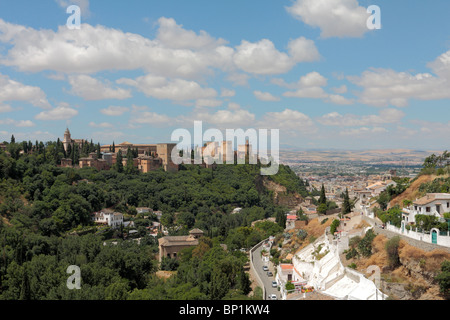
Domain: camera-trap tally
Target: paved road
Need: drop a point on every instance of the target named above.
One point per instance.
(267, 281)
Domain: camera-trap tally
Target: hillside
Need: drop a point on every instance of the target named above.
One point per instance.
(414, 276)
(412, 192)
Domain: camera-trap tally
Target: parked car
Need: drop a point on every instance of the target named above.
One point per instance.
(273, 296)
(265, 268)
(274, 284)
(269, 273)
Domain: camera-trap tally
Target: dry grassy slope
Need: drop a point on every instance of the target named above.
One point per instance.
(412, 193)
(416, 272)
(313, 228)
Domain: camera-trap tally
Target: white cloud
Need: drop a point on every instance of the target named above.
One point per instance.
(175, 90)
(100, 125)
(309, 86)
(97, 48)
(338, 99)
(11, 90)
(288, 120)
(335, 18)
(61, 112)
(17, 123)
(227, 93)
(363, 131)
(208, 103)
(232, 117)
(263, 58)
(384, 87)
(5, 108)
(114, 110)
(92, 89)
(265, 96)
(303, 50)
(341, 89)
(385, 116)
(174, 36)
(83, 4)
(153, 118)
(441, 65)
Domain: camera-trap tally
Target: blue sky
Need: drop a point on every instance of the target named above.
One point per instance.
(137, 70)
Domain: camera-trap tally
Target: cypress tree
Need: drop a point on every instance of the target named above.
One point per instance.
(323, 198)
(346, 205)
(119, 164)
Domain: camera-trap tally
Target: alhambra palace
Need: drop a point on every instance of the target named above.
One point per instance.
(152, 156)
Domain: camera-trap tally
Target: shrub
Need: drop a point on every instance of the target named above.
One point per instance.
(302, 234)
(334, 226)
(443, 278)
(365, 245)
(352, 265)
(353, 242)
(392, 252)
(351, 254)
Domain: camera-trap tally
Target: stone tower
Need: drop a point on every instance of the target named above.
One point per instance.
(67, 139)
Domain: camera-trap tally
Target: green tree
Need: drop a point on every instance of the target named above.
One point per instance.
(443, 278)
(322, 198)
(346, 205)
(392, 246)
(119, 164)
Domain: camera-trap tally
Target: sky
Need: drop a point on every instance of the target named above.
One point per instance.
(138, 70)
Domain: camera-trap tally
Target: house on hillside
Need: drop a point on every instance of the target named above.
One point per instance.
(379, 186)
(108, 217)
(290, 221)
(433, 204)
(170, 246)
(287, 272)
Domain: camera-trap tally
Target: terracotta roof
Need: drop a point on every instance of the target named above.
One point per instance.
(177, 241)
(196, 230)
(432, 197)
(286, 266)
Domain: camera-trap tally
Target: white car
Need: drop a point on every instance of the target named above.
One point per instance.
(265, 268)
(274, 284)
(273, 297)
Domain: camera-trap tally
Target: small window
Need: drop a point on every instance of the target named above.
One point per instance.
(428, 209)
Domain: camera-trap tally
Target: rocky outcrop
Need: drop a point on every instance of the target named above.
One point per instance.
(280, 195)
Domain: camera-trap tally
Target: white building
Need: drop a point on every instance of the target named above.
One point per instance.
(433, 204)
(379, 186)
(287, 272)
(109, 217)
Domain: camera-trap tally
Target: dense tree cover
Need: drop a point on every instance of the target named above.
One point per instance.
(438, 185)
(285, 178)
(41, 205)
(393, 215)
(437, 164)
(392, 191)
